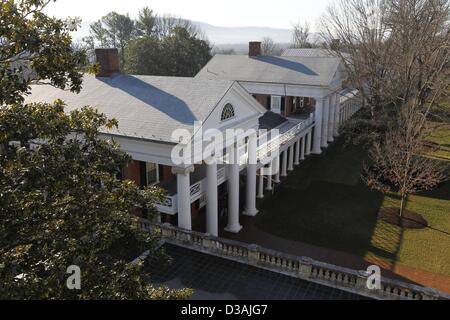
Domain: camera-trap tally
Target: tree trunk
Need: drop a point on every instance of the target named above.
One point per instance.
(402, 204)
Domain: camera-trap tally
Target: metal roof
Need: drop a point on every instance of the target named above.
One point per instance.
(307, 52)
(312, 71)
(146, 107)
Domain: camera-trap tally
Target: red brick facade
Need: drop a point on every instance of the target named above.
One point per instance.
(132, 172)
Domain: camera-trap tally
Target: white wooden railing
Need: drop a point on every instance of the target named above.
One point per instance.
(274, 144)
(198, 189)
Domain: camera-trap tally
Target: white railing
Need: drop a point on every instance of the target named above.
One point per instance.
(349, 107)
(198, 189)
(294, 266)
(274, 144)
(221, 175)
(169, 205)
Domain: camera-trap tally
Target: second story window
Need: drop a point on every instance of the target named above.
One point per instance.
(227, 112)
(152, 173)
(276, 104)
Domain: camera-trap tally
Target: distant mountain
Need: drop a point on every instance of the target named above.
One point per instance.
(242, 35)
(223, 35)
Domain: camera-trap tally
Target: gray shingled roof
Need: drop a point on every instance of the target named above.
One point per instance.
(271, 120)
(316, 71)
(146, 107)
(306, 52)
(318, 53)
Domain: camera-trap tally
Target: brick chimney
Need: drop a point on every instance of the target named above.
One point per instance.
(254, 48)
(108, 59)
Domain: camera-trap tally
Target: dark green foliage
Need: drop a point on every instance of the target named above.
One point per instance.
(61, 205)
(60, 201)
(180, 54)
(29, 39)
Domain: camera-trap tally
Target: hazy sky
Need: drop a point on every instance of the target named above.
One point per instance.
(227, 13)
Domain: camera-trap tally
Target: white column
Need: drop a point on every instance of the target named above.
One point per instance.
(250, 208)
(291, 158)
(284, 164)
(297, 153)
(331, 118)
(212, 226)
(277, 169)
(233, 192)
(326, 117)
(318, 126)
(302, 149)
(308, 143)
(184, 196)
(269, 178)
(337, 103)
(261, 184)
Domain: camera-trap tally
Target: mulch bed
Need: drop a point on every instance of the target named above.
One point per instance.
(409, 219)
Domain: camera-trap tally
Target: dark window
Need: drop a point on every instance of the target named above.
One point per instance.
(227, 112)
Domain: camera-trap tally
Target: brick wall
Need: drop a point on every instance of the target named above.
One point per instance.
(165, 173)
(132, 172)
(289, 106)
(263, 99)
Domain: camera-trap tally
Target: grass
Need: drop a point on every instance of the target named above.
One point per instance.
(325, 203)
(441, 137)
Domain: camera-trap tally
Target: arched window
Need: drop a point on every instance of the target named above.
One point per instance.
(227, 112)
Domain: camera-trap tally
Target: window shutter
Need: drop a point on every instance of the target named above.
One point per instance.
(143, 174)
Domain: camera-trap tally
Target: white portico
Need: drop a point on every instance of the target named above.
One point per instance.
(303, 104)
(292, 86)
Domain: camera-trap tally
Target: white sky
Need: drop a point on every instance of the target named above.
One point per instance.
(226, 13)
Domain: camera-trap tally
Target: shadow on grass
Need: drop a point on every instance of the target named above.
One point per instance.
(442, 192)
(326, 214)
(325, 203)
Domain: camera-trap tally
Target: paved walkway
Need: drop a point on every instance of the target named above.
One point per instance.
(214, 278)
(253, 235)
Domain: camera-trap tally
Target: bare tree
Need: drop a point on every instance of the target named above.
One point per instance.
(166, 24)
(364, 47)
(301, 35)
(397, 53)
(394, 51)
(269, 47)
(399, 162)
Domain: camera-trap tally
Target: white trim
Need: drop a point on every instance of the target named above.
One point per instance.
(276, 100)
(157, 174)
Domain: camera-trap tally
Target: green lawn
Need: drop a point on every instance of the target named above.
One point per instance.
(442, 137)
(325, 203)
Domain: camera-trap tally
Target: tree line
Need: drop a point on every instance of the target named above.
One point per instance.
(152, 44)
